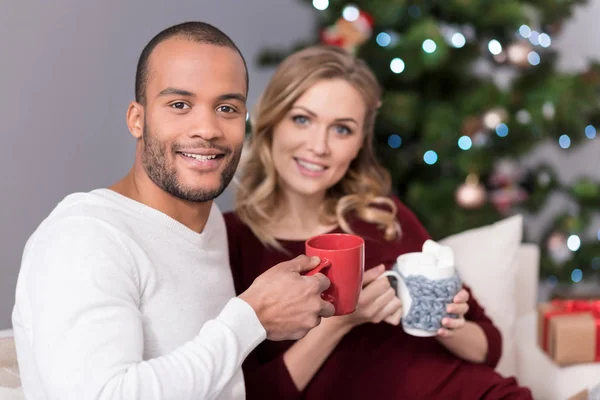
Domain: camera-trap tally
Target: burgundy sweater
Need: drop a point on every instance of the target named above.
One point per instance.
(377, 361)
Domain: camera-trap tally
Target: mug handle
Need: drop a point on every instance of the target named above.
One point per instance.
(395, 275)
(323, 267)
(324, 264)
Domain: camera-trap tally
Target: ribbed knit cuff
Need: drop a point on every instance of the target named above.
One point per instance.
(241, 318)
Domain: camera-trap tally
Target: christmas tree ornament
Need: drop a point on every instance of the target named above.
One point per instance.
(494, 117)
(557, 248)
(508, 186)
(471, 126)
(518, 52)
(471, 194)
(350, 31)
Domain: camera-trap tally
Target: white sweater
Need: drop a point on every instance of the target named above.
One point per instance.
(116, 300)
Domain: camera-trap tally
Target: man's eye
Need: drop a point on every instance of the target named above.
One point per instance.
(180, 105)
(226, 109)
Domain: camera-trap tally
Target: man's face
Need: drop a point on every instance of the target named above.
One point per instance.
(194, 121)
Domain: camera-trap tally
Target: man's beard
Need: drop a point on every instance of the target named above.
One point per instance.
(156, 164)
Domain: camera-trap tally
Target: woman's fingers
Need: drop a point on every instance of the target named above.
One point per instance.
(457, 308)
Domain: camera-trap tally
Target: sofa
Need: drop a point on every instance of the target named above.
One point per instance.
(503, 275)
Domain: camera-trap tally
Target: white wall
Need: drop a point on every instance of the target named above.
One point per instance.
(67, 74)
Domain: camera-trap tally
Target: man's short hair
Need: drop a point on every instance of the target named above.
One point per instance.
(195, 31)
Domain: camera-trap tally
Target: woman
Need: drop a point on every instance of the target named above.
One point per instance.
(311, 169)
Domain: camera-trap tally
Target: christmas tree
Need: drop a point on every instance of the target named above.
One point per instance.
(470, 88)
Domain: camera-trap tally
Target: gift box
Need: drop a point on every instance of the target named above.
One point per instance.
(569, 331)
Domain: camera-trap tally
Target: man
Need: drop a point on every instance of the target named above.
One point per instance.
(126, 293)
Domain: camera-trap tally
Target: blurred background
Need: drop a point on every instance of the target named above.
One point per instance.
(490, 109)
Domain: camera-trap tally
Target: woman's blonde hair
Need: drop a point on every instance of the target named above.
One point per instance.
(365, 184)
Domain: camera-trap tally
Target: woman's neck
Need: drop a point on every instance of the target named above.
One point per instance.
(297, 217)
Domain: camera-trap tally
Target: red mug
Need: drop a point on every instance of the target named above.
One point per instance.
(342, 261)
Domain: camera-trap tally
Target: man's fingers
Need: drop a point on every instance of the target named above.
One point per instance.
(372, 274)
(323, 281)
(302, 263)
(327, 309)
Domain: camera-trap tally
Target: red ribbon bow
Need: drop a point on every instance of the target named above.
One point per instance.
(565, 307)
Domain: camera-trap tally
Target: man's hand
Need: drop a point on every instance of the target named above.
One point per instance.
(287, 303)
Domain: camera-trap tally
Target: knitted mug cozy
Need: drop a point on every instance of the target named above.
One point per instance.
(429, 299)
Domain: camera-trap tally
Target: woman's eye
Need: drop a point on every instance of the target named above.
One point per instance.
(180, 105)
(226, 109)
(300, 119)
(342, 130)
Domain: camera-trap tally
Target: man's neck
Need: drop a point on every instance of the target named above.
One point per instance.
(139, 187)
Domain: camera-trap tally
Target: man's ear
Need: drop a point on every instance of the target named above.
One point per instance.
(135, 119)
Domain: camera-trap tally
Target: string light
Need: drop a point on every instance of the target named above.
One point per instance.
(397, 65)
(533, 58)
(458, 40)
(523, 117)
(465, 142)
(430, 157)
(350, 13)
(590, 131)
(429, 46)
(573, 242)
(247, 116)
(502, 130)
(492, 118)
(598, 234)
(545, 40)
(576, 275)
(564, 141)
(534, 38)
(525, 31)
(394, 141)
(548, 110)
(383, 39)
(321, 4)
(494, 47)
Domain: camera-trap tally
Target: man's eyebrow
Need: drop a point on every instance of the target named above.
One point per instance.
(233, 96)
(174, 91)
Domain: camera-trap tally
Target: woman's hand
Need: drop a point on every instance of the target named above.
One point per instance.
(458, 307)
(377, 302)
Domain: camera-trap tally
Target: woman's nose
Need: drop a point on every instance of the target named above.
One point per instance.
(318, 142)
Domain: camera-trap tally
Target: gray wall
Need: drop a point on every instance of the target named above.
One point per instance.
(67, 73)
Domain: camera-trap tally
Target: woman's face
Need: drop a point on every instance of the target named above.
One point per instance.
(314, 144)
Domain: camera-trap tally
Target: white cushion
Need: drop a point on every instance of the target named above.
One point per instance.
(11, 394)
(547, 380)
(487, 261)
(527, 278)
